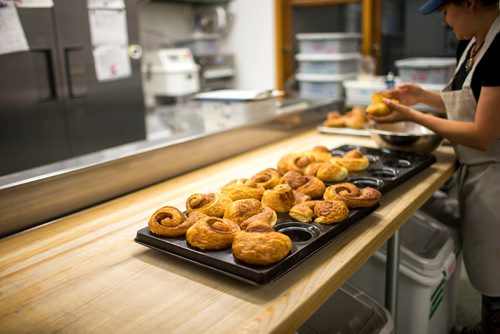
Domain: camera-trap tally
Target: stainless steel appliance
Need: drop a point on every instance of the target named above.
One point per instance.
(216, 71)
(52, 106)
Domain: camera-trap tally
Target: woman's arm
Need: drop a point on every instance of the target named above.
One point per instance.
(480, 134)
(410, 94)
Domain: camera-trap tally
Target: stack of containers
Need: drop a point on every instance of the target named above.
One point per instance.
(325, 61)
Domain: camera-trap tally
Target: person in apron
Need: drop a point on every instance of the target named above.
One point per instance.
(471, 101)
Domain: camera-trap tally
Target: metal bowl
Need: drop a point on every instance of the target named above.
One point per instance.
(405, 136)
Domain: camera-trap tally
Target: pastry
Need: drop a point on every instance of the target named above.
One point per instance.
(260, 245)
(268, 178)
(169, 221)
(296, 162)
(334, 120)
(280, 198)
(266, 216)
(356, 118)
(300, 197)
(241, 210)
(353, 160)
(329, 171)
(319, 153)
(353, 196)
(212, 204)
(322, 212)
(309, 185)
(377, 107)
(242, 189)
(212, 233)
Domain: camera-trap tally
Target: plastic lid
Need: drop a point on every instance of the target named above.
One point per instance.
(426, 244)
(426, 62)
(327, 56)
(328, 35)
(324, 77)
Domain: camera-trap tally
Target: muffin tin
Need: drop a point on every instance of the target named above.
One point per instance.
(387, 169)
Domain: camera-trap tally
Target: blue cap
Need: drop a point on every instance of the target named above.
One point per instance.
(430, 6)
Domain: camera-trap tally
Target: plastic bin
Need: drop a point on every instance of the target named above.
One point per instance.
(349, 310)
(428, 280)
(328, 86)
(335, 63)
(335, 42)
(426, 70)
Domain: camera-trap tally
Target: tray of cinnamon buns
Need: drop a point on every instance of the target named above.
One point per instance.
(257, 229)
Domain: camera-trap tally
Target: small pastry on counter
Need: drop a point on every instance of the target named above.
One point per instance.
(243, 189)
(309, 185)
(353, 160)
(168, 221)
(334, 120)
(353, 196)
(268, 178)
(322, 212)
(300, 197)
(329, 171)
(356, 118)
(212, 233)
(259, 244)
(319, 153)
(241, 211)
(296, 162)
(377, 107)
(267, 216)
(280, 198)
(212, 204)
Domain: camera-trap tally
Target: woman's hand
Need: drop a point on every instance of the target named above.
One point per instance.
(407, 94)
(399, 112)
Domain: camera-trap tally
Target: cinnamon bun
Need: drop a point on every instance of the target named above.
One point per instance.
(243, 189)
(353, 160)
(329, 171)
(259, 244)
(309, 185)
(212, 233)
(168, 221)
(322, 212)
(280, 198)
(241, 211)
(212, 204)
(334, 120)
(267, 178)
(353, 196)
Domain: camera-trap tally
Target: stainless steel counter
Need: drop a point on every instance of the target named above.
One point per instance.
(36, 196)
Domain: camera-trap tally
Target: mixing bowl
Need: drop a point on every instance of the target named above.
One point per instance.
(405, 136)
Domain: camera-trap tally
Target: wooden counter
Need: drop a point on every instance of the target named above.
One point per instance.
(84, 272)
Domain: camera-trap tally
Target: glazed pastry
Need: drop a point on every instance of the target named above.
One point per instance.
(329, 171)
(169, 221)
(309, 185)
(296, 162)
(261, 245)
(212, 233)
(241, 210)
(300, 197)
(280, 198)
(353, 196)
(268, 178)
(377, 107)
(212, 204)
(334, 120)
(353, 160)
(242, 189)
(356, 118)
(322, 212)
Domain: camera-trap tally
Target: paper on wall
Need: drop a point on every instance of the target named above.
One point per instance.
(12, 37)
(108, 26)
(111, 62)
(110, 4)
(35, 3)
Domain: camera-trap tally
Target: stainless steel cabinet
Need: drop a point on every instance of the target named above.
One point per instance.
(52, 106)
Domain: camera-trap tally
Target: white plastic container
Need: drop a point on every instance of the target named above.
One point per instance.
(349, 310)
(335, 63)
(335, 42)
(428, 280)
(426, 70)
(327, 86)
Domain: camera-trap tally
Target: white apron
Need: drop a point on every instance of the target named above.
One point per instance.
(479, 192)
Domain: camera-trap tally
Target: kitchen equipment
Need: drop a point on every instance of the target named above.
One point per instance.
(201, 44)
(216, 71)
(429, 276)
(405, 136)
(169, 73)
(52, 104)
(349, 310)
(387, 170)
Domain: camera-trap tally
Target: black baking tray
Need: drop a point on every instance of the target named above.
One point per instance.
(387, 169)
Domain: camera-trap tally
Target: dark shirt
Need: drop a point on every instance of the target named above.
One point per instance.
(487, 72)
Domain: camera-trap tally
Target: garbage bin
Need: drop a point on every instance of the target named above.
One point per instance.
(349, 310)
(430, 261)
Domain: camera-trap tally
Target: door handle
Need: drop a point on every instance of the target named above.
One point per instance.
(76, 70)
(46, 84)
